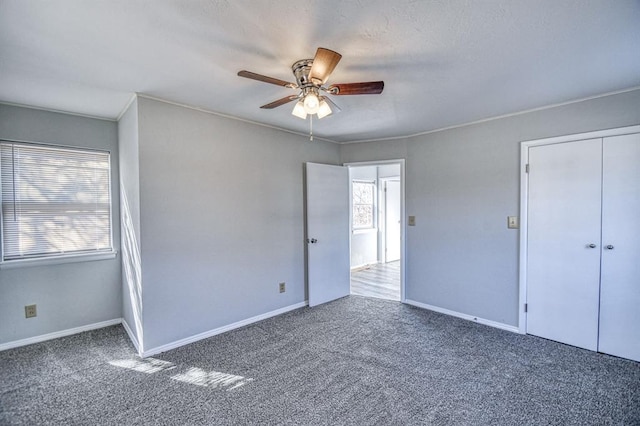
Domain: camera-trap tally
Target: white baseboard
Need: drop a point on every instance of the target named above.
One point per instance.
(219, 330)
(132, 336)
(58, 334)
(364, 266)
(483, 321)
(223, 329)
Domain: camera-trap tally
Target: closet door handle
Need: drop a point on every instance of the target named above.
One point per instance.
(609, 247)
(591, 245)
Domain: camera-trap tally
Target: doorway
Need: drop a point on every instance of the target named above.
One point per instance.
(376, 229)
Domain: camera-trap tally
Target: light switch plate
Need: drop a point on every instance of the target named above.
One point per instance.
(512, 222)
(412, 221)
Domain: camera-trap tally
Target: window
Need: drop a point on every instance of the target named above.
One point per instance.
(363, 204)
(56, 201)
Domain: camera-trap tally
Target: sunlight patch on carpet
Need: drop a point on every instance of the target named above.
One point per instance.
(214, 379)
(147, 365)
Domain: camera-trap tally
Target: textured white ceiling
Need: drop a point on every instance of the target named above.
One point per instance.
(444, 62)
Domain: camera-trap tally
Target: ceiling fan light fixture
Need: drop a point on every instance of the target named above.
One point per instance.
(311, 76)
(324, 109)
(299, 110)
(311, 103)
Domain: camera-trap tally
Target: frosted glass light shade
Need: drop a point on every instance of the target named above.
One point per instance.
(311, 103)
(299, 111)
(324, 109)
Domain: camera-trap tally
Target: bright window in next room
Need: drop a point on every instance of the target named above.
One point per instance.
(56, 201)
(363, 204)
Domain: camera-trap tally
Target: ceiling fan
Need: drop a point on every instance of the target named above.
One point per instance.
(311, 75)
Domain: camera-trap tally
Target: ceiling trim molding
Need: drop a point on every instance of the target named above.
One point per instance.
(124, 110)
(232, 117)
(58, 111)
(392, 138)
(498, 117)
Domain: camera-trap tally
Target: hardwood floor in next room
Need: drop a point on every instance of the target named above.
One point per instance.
(381, 280)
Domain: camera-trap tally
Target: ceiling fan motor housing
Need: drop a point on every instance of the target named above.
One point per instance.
(301, 70)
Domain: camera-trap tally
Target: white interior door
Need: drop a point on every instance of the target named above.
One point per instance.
(392, 220)
(563, 245)
(620, 282)
(327, 232)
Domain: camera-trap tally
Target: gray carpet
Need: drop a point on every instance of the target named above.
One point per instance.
(356, 361)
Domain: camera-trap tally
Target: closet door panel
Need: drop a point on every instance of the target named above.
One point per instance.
(563, 246)
(620, 282)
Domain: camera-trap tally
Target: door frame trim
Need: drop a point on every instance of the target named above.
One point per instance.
(524, 197)
(403, 227)
(383, 238)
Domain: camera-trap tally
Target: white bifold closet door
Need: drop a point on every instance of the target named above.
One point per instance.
(620, 282)
(563, 246)
(583, 244)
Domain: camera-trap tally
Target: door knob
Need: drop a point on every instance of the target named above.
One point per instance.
(609, 247)
(591, 245)
(312, 240)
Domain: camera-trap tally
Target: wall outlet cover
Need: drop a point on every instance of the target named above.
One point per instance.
(282, 287)
(30, 311)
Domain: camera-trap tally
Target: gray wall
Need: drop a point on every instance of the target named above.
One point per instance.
(130, 222)
(461, 184)
(73, 294)
(221, 208)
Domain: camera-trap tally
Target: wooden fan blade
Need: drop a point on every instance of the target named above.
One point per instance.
(369, 88)
(324, 63)
(279, 102)
(259, 77)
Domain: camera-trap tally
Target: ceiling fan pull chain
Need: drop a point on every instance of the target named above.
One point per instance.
(311, 128)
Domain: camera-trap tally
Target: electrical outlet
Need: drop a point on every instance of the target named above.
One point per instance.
(412, 221)
(283, 287)
(30, 311)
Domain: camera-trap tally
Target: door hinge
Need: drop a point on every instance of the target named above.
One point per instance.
(526, 307)
(526, 168)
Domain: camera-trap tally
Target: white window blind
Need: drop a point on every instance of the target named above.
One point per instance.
(55, 201)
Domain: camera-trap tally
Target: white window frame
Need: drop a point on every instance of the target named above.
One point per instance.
(58, 258)
(374, 205)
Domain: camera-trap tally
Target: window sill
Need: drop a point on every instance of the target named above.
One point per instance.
(365, 231)
(57, 260)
